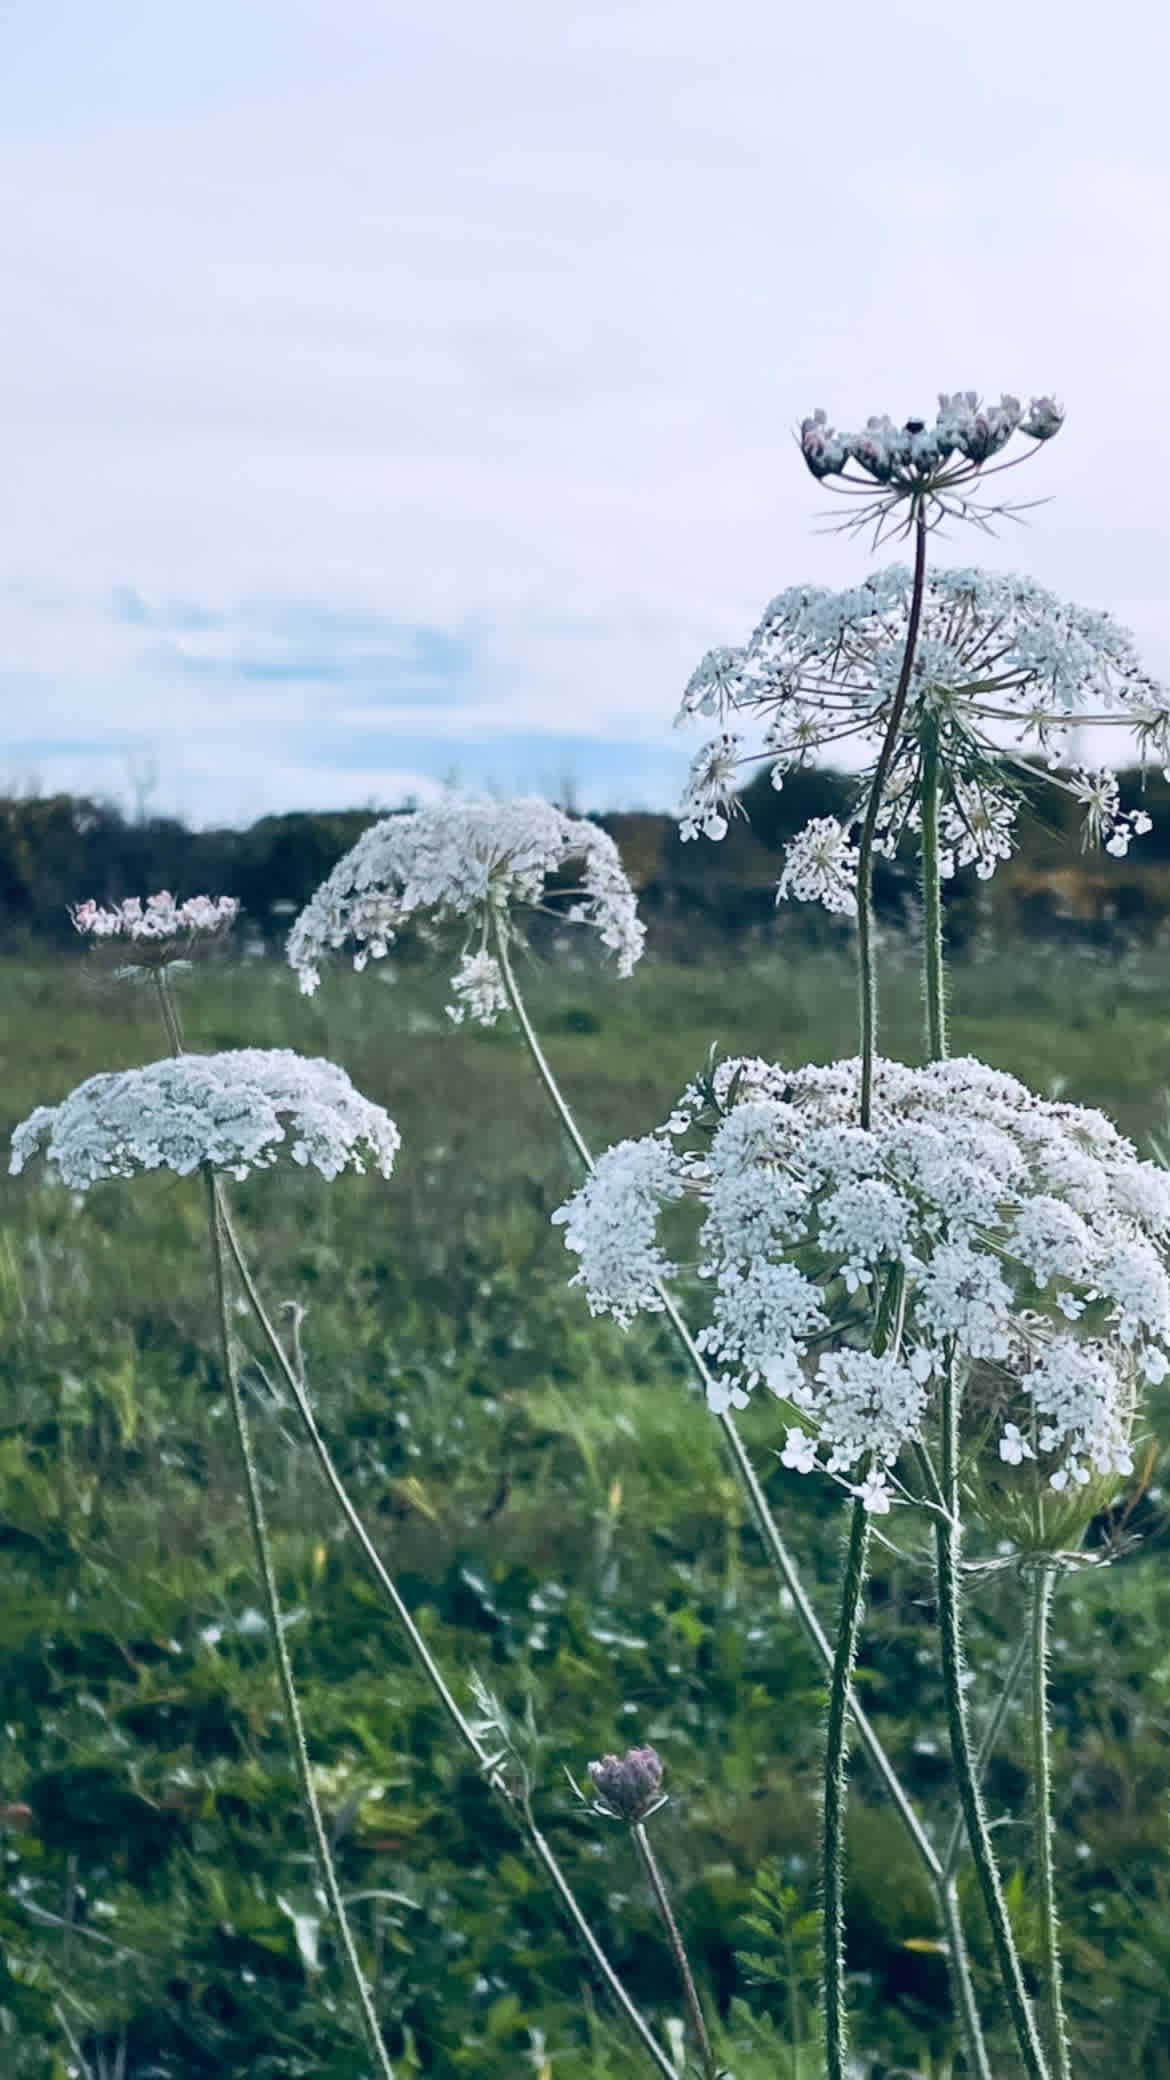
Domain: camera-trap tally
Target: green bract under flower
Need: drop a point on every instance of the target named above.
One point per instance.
(237, 1111)
(1017, 1233)
(465, 856)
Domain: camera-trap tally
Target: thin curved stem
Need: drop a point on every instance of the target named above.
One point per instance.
(932, 958)
(948, 1535)
(489, 1764)
(1057, 2029)
(773, 1542)
(788, 1573)
(292, 1710)
(677, 1948)
(836, 1792)
(867, 970)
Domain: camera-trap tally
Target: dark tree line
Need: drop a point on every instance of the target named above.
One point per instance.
(58, 850)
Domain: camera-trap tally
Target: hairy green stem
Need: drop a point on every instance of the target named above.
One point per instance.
(866, 965)
(948, 1536)
(932, 959)
(677, 1947)
(991, 1732)
(292, 1710)
(833, 1839)
(1057, 2030)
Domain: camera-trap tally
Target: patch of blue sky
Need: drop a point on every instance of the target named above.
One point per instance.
(603, 772)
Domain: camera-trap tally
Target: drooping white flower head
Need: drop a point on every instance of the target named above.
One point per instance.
(159, 930)
(1004, 674)
(472, 857)
(886, 467)
(1025, 1235)
(237, 1111)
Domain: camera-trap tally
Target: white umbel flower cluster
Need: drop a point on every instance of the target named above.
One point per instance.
(471, 857)
(237, 1111)
(158, 928)
(1019, 1233)
(916, 468)
(1004, 674)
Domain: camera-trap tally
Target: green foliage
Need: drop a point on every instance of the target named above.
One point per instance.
(555, 1507)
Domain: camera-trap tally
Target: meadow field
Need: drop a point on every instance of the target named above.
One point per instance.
(554, 1503)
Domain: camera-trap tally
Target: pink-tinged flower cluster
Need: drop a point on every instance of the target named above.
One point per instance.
(1019, 1234)
(159, 919)
(926, 465)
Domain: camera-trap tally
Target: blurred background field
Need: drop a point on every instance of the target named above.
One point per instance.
(554, 1503)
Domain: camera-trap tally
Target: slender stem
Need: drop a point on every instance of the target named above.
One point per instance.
(678, 1949)
(786, 1569)
(833, 1923)
(1057, 2030)
(867, 971)
(769, 1530)
(292, 1709)
(936, 1008)
(488, 1763)
(948, 1536)
(991, 1732)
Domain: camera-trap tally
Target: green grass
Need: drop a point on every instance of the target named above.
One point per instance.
(555, 1506)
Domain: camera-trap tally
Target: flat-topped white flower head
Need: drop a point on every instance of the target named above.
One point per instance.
(1004, 675)
(1024, 1236)
(920, 467)
(157, 930)
(237, 1111)
(472, 857)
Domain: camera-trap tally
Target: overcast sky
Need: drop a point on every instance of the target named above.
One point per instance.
(404, 391)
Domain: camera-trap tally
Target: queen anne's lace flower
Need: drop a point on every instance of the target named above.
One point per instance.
(464, 856)
(159, 929)
(1020, 1234)
(1004, 674)
(929, 465)
(237, 1111)
(478, 989)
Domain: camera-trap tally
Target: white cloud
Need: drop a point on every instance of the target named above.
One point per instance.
(497, 321)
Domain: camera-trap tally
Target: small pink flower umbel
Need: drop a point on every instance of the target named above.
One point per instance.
(159, 929)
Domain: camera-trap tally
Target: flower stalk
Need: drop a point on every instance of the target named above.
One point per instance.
(933, 977)
(292, 1711)
(948, 1535)
(1057, 2029)
(833, 1842)
(942, 1881)
(866, 965)
(694, 2006)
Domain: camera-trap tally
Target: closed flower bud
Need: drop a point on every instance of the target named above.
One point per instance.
(629, 1786)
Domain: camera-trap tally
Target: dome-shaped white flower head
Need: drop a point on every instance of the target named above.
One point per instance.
(895, 471)
(465, 856)
(1004, 674)
(1023, 1236)
(237, 1111)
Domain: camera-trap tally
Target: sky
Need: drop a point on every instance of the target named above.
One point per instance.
(399, 394)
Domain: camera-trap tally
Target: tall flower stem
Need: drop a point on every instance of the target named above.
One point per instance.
(487, 1763)
(1057, 2030)
(222, 1226)
(677, 1948)
(934, 988)
(292, 1710)
(866, 965)
(833, 1844)
(948, 1535)
(786, 1569)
